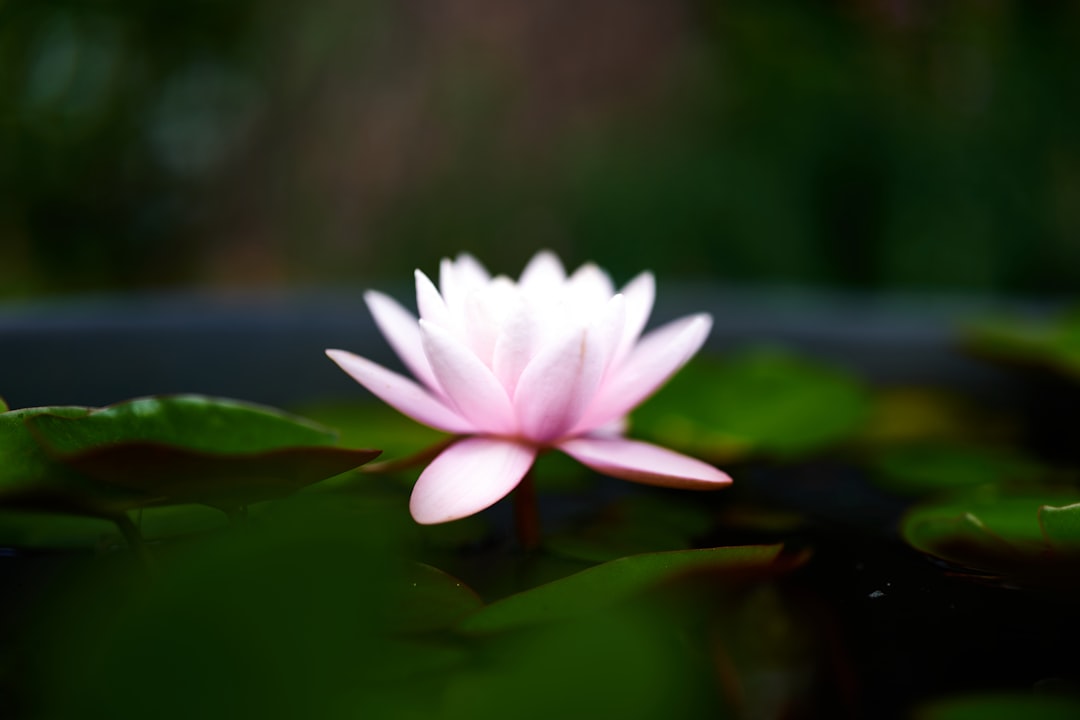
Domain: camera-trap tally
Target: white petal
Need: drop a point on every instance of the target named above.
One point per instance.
(543, 274)
(467, 477)
(644, 463)
(401, 393)
(430, 304)
(558, 384)
(457, 278)
(648, 366)
(640, 294)
(467, 382)
(590, 287)
(402, 331)
(515, 345)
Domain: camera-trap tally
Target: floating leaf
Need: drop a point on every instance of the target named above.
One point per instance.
(55, 531)
(433, 600)
(924, 469)
(1016, 538)
(1061, 527)
(606, 584)
(375, 425)
(632, 525)
(30, 478)
(3, 405)
(999, 706)
(1052, 342)
(764, 402)
(222, 453)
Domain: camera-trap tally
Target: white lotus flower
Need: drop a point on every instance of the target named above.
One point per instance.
(514, 368)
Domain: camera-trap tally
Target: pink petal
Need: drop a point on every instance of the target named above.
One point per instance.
(467, 382)
(401, 330)
(557, 385)
(399, 392)
(648, 366)
(643, 463)
(467, 477)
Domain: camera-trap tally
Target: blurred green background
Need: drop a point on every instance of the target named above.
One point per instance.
(869, 144)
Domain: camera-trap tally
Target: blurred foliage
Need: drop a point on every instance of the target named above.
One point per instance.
(861, 144)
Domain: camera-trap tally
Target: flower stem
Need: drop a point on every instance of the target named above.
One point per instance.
(526, 513)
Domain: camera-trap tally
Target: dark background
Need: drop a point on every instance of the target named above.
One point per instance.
(855, 144)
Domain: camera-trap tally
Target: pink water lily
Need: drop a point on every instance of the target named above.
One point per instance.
(549, 361)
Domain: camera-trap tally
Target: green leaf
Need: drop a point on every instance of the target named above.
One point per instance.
(185, 449)
(923, 469)
(606, 584)
(1061, 526)
(3, 405)
(30, 478)
(759, 403)
(1048, 342)
(651, 522)
(193, 422)
(433, 600)
(375, 425)
(1016, 538)
(999, 706)
(52, 531)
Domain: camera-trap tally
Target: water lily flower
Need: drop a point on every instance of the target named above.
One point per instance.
(514, 368)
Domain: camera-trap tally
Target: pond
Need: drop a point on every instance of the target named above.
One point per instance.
(900, 538)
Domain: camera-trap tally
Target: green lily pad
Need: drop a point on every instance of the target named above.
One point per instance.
(375, 425)
(188, 448)
(764, 402)
(1027, 540)
(1061, 527)
(54, 531)
(999, 706)
(1048, 342)
(32, 479)
(630, 526)
(603, 585)
(434, 600)
(924, 468)
(3, 405)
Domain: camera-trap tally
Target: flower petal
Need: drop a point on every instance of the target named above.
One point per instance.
(401, 393)
(644, 463)
(467, 477)
(558, 384)
(648, 366)
(467, 382)
(589, 287)
(640, 294)
(458, 278)
(401, 330)
(430, 304)
(543, 275)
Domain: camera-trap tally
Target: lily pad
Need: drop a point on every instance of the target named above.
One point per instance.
(606, 584)
(1052, 342)
(765, 402)
(434, 600)
(3, 405)
(632, 525)
(32, 479)
(1027, 540)
(189, 448)
(999, 706)
(929, 468)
